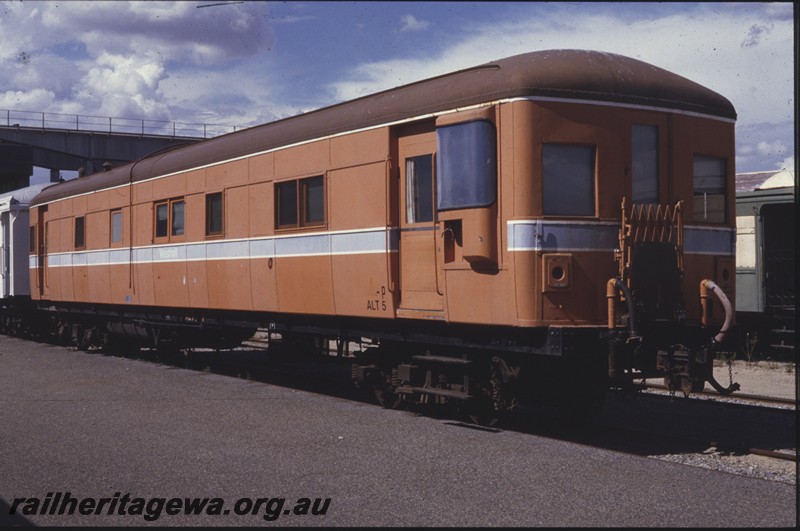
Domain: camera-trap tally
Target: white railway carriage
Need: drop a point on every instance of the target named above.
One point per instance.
(15, 241)
(14, 247)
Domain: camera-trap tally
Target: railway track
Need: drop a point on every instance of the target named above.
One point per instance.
(755, 399)
(713, 445)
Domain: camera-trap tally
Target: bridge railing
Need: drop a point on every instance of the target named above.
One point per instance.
(104, 124)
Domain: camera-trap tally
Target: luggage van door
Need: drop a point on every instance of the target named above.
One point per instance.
(421, 295)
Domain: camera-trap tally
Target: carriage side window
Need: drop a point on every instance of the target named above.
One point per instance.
(644, 164)
(177, 218)
(300, 203)
(568, 172)
(214, 213)
(286, 205)
(313, 200)
(709, 189)
(80, 236)
(162, 220)
(169, 218)
(466, 165)
(32, 239)
(419, 189)
(116, 226)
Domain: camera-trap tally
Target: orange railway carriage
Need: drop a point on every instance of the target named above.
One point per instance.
(567, 211)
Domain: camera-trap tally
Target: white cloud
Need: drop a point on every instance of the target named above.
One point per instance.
(755, 33)
(410, 23)
(42, 70)
(786, 164)
(160, 11)
(704, 45)
(780, 10)
(111, 57)
(177, 30)
(776, 147)
(29, 99)
(173, 60)
(206, 97)
(125, 86)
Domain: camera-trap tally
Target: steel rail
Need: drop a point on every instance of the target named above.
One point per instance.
(742, 396)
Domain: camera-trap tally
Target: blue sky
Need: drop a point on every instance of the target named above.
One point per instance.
(245, 63)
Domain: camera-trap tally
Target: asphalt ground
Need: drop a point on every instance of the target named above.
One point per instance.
(98, 427)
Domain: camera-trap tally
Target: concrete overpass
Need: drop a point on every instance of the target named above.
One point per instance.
(61, 142)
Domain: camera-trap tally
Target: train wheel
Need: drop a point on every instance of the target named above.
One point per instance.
(481, 411)
(692, 385)
(497, 395)
(387, 397)
(63, 333)
(87, 338)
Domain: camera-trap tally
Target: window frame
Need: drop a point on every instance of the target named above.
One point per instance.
(279, 186)
(413, 196)
(641, 161)
(170, 236)
(593, 180)
(696, 215)
(172, 232)
(301, 206)
(156, 235)
(303, 199)
(444, 182)
(120, 241)
(79, 221)
(210, 233)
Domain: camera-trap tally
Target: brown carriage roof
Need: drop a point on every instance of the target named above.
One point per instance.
(570, 74)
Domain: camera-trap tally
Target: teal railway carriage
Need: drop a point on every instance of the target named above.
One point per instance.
(766, 265)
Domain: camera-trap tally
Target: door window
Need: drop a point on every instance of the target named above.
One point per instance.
(419, 189)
